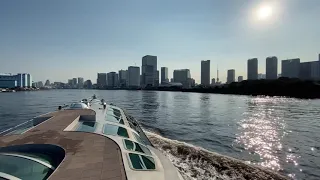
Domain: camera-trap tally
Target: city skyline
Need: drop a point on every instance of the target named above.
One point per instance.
(149, 75)
(76, 37)
(278, 64)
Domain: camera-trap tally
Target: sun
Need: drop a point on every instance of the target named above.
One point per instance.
(264, 12)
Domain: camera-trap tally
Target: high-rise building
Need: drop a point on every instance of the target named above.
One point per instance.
(38, 84)
(133, 77)
(123, 78)
(309, 70)
(102, 80)
(164, 75)
(87, 84)
(47, 82)
(252, 69)
(29, 80)
(70, 82)
(149, 71)
(19, 80)
(205, 72)
(24, 80)
(213, 81)
(80, 82)
(231, 76)
(290, 68)
(141, 79)
(240, 78)
(112, 79)
(182, 76)
(74, 82)
(156, 81)
(272, 67)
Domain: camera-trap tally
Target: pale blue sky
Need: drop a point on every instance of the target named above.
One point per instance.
(62, 39)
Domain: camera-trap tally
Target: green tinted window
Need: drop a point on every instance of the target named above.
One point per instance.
(136, 161)
(141, 162)
(133, 146)
(122, 132)
(138, 148)
(129, 144)
(115, 130)
(87, 126)
(148, 162)
(23, 168)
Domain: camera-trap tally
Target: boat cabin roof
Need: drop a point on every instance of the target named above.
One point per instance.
(87, 155)
(86, 141)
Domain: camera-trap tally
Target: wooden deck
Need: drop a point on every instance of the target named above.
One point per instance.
(88, 155)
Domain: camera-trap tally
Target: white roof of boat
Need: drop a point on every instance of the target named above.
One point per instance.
(164, 169)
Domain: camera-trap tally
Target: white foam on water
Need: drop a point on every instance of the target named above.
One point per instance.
(196, 163)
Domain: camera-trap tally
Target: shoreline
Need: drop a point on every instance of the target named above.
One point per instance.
(282, 87)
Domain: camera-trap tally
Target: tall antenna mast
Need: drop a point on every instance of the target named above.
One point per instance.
(217, 74)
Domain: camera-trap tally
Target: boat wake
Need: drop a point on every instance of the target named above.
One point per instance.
(196, 163)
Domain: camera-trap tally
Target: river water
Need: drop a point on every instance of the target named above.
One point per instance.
(282, 134)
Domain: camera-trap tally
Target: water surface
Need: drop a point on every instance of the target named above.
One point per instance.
(278, 133)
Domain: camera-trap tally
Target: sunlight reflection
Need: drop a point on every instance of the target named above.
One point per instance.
(262, 131)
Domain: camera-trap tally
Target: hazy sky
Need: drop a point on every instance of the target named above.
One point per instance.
(61, 39)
